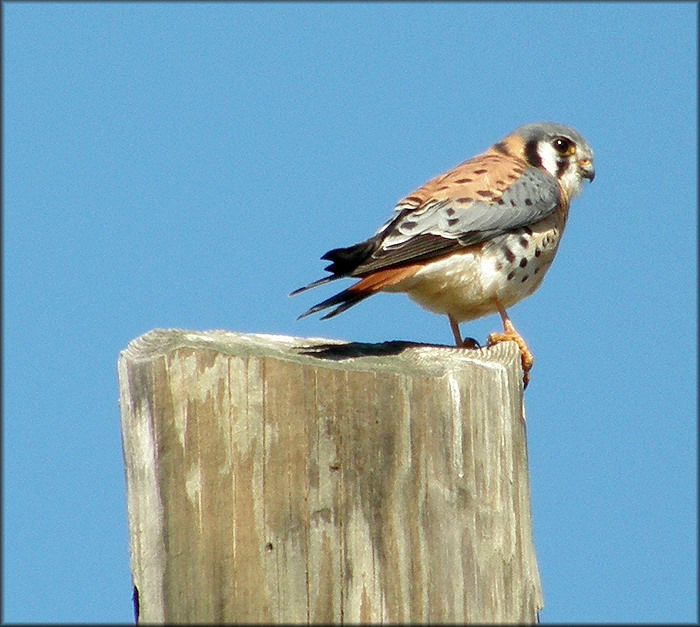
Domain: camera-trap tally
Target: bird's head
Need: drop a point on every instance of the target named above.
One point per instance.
(557, 149)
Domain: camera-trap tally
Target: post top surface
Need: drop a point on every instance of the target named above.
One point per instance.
(398, 356)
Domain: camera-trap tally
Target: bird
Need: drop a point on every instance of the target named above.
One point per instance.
(475, 240)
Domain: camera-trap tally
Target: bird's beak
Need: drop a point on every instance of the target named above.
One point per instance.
(587, 169)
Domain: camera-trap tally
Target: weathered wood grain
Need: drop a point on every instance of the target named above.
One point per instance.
(274, 479)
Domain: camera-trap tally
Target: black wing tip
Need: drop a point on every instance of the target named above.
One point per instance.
(309, 312)
(344, 300)
(344, 306)
(313, 284)
(344, 261)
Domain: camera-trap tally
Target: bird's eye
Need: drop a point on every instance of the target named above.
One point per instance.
(564, 146)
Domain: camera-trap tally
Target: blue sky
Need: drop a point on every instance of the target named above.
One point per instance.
(185, 165)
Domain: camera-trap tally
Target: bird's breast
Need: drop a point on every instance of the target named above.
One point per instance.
(507, 268)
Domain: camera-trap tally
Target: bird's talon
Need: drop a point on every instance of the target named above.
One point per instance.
(526, 357)
(470, 342)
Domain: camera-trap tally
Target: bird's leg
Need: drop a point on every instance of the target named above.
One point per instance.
(511, 335)
(455, 330)
(467, 342)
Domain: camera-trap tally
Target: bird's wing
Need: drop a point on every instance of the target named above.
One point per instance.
(478, 200)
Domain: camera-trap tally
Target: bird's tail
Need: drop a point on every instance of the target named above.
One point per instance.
(343, 262)
(368, 285)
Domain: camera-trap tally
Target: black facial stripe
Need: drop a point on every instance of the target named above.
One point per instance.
(531, 154)
(562, 165)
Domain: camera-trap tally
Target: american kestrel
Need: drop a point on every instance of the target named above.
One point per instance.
(475, 240)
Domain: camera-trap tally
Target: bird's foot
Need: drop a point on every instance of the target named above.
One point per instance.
(470, 342)
(511, 335)
(467, 342)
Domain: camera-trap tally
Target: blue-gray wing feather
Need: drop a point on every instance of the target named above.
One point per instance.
(438, 227)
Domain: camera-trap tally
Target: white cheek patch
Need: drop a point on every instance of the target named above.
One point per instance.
(549, 157)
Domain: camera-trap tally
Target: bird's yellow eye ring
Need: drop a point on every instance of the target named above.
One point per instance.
(564, 146)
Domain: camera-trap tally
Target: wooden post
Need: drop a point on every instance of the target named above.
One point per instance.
(279, 480)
